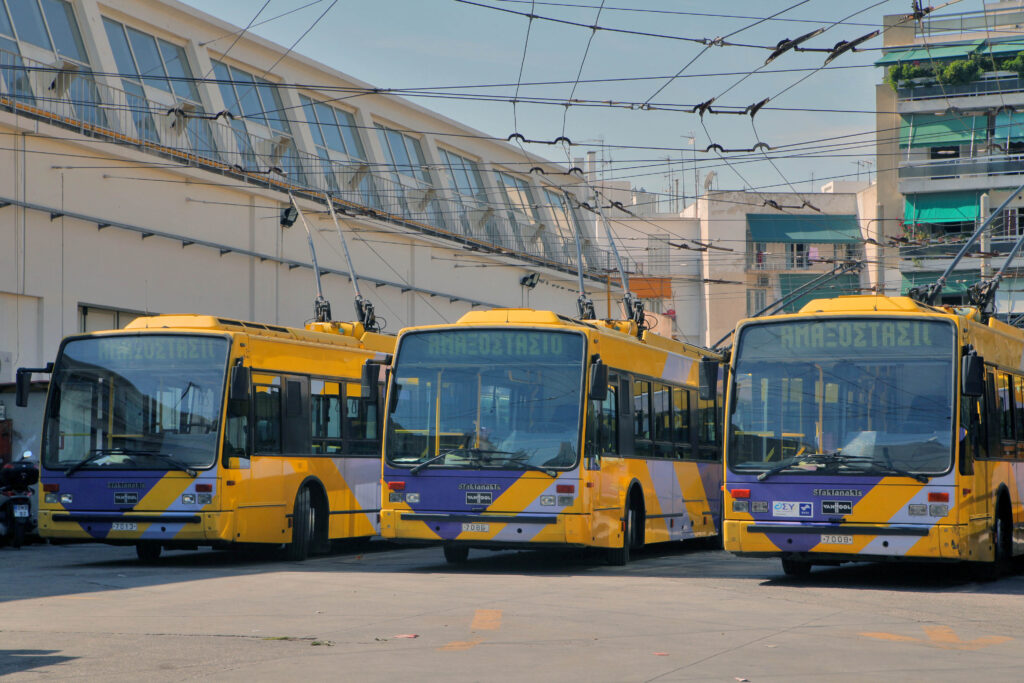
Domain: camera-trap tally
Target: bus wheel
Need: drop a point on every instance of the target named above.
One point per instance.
(303, 527)
(619, 557)
(798, 568)
(148, 551)
(456, 554)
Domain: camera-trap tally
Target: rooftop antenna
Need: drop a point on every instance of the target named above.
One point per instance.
(364, 309)
(321, 306)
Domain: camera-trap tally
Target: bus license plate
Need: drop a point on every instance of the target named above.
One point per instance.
(124, 526)
(21, 510)
(837, 539)
(473, 526)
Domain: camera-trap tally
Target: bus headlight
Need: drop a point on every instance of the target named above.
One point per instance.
(917, 510)
(740, 505)
(547, 500)
(188, 499)
(66, 499)
(412, 498)
(52, 497)
(204, 498)
(938, 509)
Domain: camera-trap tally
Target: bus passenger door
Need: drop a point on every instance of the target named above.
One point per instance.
(257, 491)
(612, 428)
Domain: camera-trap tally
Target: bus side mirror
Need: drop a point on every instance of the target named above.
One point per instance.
(708, 388)
(972, 374)
(598, 381)
(371, 379)
(23, 379)
(238, 391)
(23, 382)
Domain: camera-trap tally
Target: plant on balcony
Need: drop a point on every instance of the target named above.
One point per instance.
(958, 72)
(1015, 64)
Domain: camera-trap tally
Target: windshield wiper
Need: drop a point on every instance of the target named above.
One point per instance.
(874, 464)
(170, 460)
(431, 461)
(517, 459)
(824, 458)
(94, 455)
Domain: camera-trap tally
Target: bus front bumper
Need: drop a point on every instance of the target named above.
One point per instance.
(492, 530)
(125, 528)
(848, 542)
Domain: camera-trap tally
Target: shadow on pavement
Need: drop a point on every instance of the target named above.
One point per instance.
(14, 661)
(56, 570)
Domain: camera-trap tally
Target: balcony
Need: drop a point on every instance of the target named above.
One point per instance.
(965, 173)
(74, 99)
(1001, 84)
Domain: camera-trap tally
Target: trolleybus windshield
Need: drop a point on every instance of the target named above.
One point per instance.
(846, 396)
(485, 398)
(136, 402)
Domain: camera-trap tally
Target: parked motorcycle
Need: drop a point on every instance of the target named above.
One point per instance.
(16, 480)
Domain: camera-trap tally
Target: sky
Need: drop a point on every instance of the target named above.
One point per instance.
(453, 44)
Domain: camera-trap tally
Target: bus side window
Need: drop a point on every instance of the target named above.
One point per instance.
(661, 399)
(295, 427)
(1018, 404)
(603, 423)
(1006, 406)
(362, 435)
(990, 418)
(626, 426)
(707, 430)
(325, 416)
(682, 434)
(642, 417)
(267, 413)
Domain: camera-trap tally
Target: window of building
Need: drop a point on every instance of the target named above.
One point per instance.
(403, 153)
(755, 301)
(48, 24)
(333, 129)
(463, 175)
(797, 256)
(1012, 224)
(96, 318)
(262, 131)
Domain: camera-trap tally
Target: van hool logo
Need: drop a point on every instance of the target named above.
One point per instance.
(479, 487)
(856, 493)
(125, 485)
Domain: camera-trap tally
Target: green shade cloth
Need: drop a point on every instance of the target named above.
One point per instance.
(841, 286)
(958, 282)
(817, 229)
(921, 54)
(928, 130)
(1003, 49)
(942, 207)
(1009, 126)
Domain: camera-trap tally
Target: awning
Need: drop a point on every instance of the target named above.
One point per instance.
(929, 130)
(958, 282)
(1009, 127)
(942, 207)
(841, 286)
(816, 229)
(926, 54)
(1004, 48)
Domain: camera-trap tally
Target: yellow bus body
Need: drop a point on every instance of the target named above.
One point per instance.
(951, 516)
(677, 494)
(251, 494)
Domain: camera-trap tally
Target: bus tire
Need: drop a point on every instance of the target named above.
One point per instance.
(148, 551)
(456, 554)
(795, 568)
(303, 527)
(619, 557)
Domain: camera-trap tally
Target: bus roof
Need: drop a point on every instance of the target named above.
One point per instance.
(626, 330)
(335, 333)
